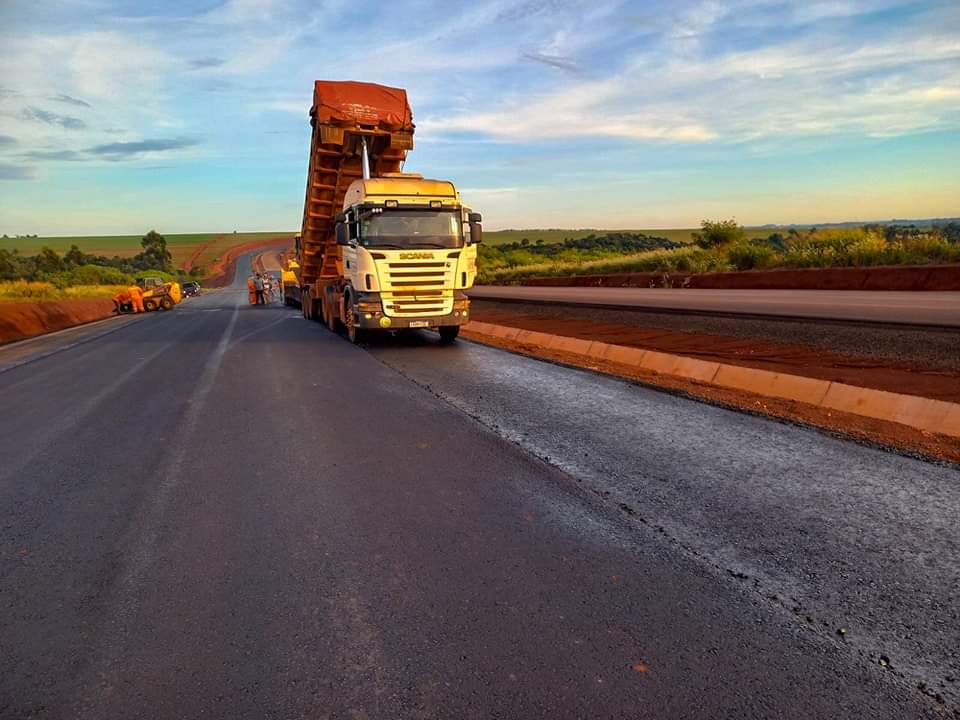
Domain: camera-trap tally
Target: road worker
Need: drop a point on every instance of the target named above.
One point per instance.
(258, 288)
(120, 300)
(136, 298)
(252, 290)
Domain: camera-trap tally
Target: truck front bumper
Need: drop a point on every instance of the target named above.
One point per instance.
(369, 315)
(380, 321)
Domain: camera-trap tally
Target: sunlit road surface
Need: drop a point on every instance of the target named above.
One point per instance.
(229, 512)
(910, 308)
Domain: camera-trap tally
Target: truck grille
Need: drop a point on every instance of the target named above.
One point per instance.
(415, 288)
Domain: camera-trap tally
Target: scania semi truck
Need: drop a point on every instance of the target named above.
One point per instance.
(379, 249)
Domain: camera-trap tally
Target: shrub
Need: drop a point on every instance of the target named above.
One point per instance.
(746, 255)
(721, 232)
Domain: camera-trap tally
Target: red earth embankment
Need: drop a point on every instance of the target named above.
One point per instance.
(913, 277)
(224, 270)
(22, 320)
(911, 378)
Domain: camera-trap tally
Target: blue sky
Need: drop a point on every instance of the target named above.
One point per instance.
(119, 116)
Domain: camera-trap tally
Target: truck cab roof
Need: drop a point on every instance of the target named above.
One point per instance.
(407, 189)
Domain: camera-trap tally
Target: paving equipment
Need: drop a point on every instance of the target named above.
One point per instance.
(289, 283)
(379, 249)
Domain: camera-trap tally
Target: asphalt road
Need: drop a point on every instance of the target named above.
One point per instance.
(909, 308)
(228, 512)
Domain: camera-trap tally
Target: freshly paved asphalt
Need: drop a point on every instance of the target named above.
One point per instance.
(908, 308)
(228, 512)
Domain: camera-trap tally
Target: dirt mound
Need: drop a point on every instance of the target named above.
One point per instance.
(913, 277)
(23, 320)
(224, 270)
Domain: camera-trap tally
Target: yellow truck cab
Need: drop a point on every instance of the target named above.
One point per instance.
(409, 250)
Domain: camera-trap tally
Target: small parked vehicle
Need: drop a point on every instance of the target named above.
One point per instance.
(190, 288)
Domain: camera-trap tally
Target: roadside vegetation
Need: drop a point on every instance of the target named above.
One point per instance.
(722, 246)
(49, 275)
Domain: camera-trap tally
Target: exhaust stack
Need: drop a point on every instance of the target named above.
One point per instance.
(365, 160)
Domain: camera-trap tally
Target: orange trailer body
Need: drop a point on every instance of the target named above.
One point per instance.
(344, 114)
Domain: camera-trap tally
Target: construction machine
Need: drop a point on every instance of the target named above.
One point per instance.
(159, 294)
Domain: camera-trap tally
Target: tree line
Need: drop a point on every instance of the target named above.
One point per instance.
(76, 267)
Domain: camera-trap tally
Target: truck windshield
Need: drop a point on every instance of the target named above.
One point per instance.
(411, 228)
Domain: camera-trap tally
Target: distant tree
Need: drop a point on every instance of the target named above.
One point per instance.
(525, 242)
(9, 264)
(47, 261)
(776, 240)
(720, 232)
(74, 256)
(951, 232)
(155, 255)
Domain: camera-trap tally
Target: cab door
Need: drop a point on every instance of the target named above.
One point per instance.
(351, 268)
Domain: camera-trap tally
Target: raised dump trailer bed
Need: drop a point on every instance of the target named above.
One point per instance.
(379, 249)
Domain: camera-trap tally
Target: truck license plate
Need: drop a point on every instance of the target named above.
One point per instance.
(419, 323)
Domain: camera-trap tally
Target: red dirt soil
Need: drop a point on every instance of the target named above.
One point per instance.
(188, 263)
(224, 270)
(879, 432)
(914, 277)
(793, 359)
(22, 320)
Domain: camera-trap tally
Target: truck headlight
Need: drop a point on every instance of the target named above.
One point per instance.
(367, 306)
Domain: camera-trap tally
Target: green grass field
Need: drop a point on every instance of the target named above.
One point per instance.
(208, 247)
(182, 246)
(684, 235)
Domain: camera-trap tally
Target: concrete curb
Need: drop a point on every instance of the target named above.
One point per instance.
(916, 412)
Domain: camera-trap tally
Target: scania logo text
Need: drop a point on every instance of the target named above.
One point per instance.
(416, 256)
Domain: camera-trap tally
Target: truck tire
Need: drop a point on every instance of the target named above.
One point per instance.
(306, 304)
(167, 303)
(330, 313)
(149, 305)
(354, 334)
(448, 333)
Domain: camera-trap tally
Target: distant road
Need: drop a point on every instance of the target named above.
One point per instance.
(909, 308)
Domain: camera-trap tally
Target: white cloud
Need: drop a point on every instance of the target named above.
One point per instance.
(816, 84)
(244, 12)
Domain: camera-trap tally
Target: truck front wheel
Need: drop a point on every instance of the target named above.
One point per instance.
(448, 333)
(354, 334)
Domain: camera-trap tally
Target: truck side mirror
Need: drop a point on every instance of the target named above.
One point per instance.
(341, 218)
(476, 230)
(343, 233)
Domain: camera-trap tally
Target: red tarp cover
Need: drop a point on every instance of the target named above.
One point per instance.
(350, 103)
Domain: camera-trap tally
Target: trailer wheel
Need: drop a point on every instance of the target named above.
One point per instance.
(328, 313)
(167, 303)
(305, 304)
(448, 333)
